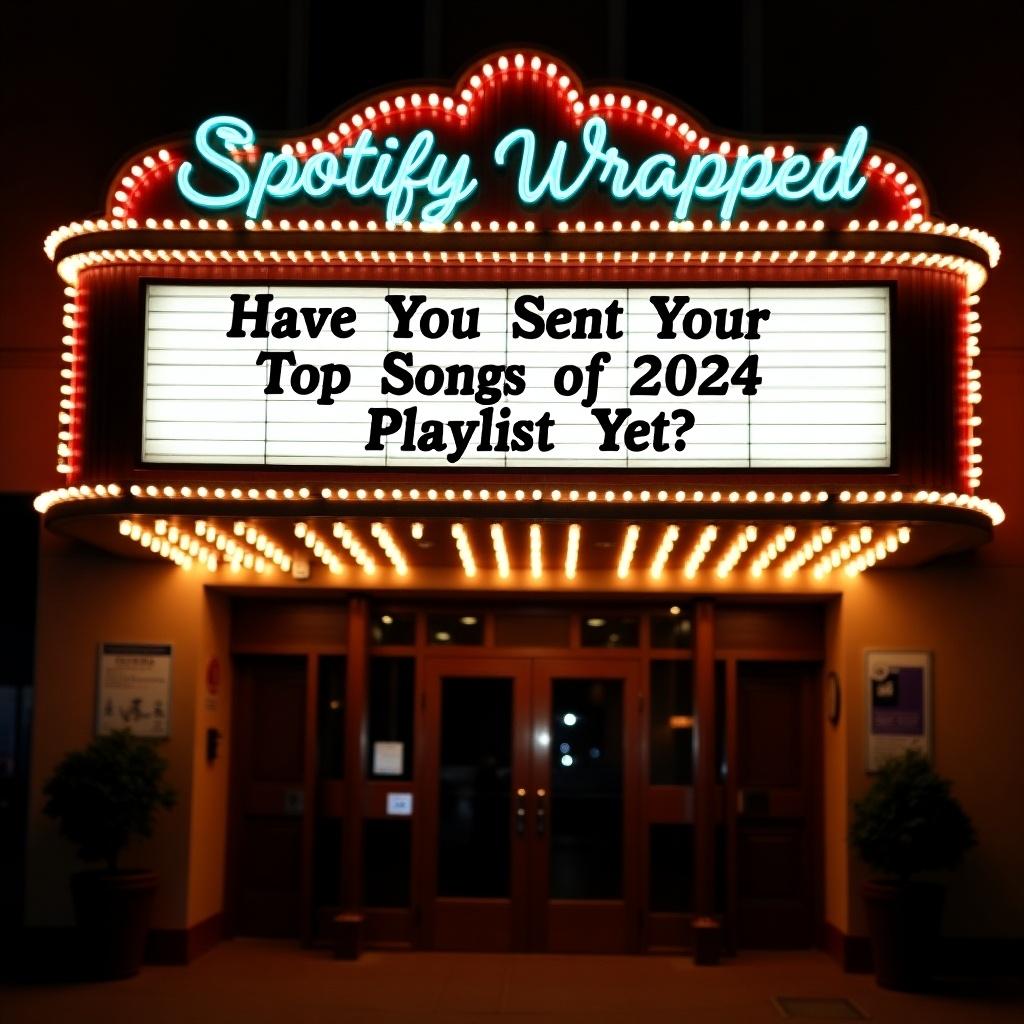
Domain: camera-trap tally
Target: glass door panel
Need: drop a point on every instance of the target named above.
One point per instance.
(586, 789)
(475, 786)
(584, 875)
(475, 844)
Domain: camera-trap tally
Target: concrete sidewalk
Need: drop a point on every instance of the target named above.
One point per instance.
(262, 982)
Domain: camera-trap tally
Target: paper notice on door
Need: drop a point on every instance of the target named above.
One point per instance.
(399, 804)
(388, 758)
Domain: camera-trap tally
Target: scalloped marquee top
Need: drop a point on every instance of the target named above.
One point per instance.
(519, 142)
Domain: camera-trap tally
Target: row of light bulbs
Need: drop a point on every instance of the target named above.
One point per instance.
(741, 542)
(390, 547)
(972, 385)
(47, 500)
(972, 272)
(743, 539)
(860, 550)
(246, 547)
(169, 542)
(986, 242)
(238, 547)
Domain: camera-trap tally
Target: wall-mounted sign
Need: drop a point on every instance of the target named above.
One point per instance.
(541, 376)
(899, 704)
(134, 689)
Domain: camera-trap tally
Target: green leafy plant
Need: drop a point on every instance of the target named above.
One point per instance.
(106, 794)
(909, 821)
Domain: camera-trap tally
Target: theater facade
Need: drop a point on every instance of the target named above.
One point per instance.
(510, 488)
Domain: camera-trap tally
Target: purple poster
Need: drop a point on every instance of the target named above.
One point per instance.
(899, 703)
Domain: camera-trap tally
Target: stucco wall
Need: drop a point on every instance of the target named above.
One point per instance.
(970, 618)
(87, 597)
(208, 825)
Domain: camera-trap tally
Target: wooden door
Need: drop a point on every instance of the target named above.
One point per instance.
(269, 795)
(584, 850)
(776, 763)
(475, 850)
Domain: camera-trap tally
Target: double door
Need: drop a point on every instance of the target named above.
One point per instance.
(531, 804)
(565, 800)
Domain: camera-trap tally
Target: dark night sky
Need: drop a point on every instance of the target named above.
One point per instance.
(86, 84)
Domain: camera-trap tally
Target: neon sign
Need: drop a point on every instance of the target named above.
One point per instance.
(416, 181)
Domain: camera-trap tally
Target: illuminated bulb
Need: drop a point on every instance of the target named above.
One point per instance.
(500, 550)
(390, 548)
(700, 550)
(572, 550)
(536, 551)
(668, 540)
(628, 549)
(416, 531)
(464, 548)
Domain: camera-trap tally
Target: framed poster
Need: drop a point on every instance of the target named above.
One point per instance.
(899, 696)
(134, 689)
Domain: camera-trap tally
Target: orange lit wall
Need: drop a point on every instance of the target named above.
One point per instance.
(87, 597)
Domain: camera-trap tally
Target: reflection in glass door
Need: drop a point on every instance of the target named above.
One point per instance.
(583, 873)
(586, 789)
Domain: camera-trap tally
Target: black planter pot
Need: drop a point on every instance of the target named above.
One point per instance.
(904, 921)
(113, 910)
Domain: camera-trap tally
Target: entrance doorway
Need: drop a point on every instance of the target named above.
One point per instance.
(566, 778)
(535, 794)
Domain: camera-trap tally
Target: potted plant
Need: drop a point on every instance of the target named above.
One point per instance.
(907, 824)
(103, 796)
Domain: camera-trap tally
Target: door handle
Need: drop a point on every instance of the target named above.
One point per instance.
(542, 811)
(520, 811)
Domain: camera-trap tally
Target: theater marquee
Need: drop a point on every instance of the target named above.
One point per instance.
(523, 330)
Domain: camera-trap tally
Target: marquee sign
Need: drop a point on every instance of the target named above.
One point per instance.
(521, 271)
(531, 376)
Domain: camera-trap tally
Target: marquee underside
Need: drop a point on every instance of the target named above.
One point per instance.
(531, 546)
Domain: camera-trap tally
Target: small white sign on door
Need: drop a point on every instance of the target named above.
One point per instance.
(388, 758)
(399, 804)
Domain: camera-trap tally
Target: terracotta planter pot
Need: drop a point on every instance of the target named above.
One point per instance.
(113, 910)
(904, 922)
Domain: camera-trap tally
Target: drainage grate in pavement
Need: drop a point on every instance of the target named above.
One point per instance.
(804, 1008)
